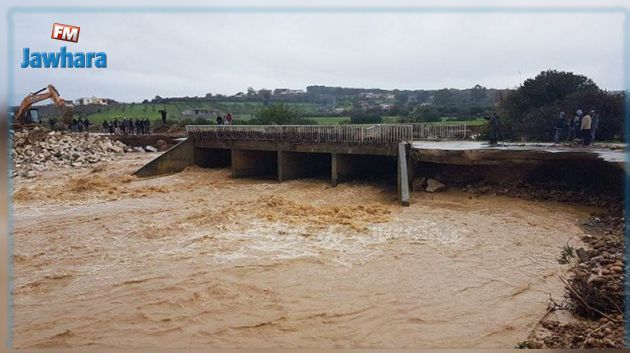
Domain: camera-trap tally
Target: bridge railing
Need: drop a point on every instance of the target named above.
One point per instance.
(382, 133)
(432, 131)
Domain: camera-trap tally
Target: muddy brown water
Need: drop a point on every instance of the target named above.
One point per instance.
(199, 259)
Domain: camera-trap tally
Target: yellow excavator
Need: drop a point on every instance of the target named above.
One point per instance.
(27, 116)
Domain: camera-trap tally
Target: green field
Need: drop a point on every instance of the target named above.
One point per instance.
(471, 122)
(330, 120)
(239, 110)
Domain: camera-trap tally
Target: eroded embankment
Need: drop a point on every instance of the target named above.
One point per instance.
(200, 259)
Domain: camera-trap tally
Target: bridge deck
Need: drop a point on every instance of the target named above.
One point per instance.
(475, 152)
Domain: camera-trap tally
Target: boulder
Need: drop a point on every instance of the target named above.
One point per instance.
(418, 184)
(434, 185)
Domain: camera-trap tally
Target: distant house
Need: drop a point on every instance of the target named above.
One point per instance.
(286, 91)
(93, 100)
(201, 112)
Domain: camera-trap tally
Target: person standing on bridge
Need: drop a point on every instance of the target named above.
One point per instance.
(228, 119)
(559, 127)
(577, 124)
(495, 126)
(219, 120)
(585, 128)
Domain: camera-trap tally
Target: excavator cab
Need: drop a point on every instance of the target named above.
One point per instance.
(31, 116)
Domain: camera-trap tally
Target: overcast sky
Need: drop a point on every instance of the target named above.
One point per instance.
(195, 53)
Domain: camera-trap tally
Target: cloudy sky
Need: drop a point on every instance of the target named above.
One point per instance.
(192, 53)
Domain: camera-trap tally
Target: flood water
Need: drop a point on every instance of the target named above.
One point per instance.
(198, 259)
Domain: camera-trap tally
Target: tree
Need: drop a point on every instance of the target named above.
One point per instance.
(442, 97)
(421, 114)
(530, 111)
(278, 114)
(372, 116)
(478, 94)
(266, 94)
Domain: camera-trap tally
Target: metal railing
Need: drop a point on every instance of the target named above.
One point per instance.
(382, 133)
(449, 131)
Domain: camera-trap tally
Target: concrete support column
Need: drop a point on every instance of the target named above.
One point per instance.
(403, 181)
(334, 178)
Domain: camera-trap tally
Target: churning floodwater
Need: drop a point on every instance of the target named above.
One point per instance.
(200, 259)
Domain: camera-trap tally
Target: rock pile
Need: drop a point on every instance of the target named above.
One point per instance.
(594, 292)
(37, 150)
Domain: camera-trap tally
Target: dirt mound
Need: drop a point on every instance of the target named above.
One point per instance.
(34, 151)
(279, 209)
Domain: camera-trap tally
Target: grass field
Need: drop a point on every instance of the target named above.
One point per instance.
(239, 110)
(473, 122)
(330, 120)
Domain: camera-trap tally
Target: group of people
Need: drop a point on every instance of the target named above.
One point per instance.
(77, 125)
(127, 126)
(580, 126)
(224, 120)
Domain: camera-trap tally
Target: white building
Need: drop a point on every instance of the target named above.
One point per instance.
(91, 100)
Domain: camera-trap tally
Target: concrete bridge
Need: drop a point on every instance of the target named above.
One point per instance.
(286, 152)
(342, 152)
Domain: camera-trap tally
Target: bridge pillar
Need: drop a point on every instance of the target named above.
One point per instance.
(403, 175)
(334, 158)
(247, 163)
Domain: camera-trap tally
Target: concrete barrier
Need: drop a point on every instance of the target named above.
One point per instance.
(174, 160)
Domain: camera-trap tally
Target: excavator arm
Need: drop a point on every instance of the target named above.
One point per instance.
(35, 97)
